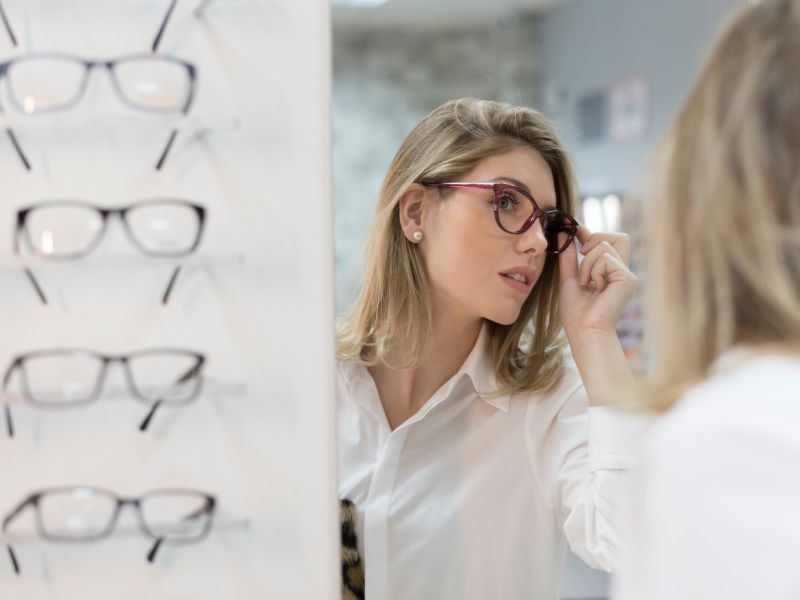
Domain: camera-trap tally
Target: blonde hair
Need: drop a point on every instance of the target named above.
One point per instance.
(395, 299)
(725, 219)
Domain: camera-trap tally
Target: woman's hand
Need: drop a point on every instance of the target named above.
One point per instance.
(594, 294)
(592, 298)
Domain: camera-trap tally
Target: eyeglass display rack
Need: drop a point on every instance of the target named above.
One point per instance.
(255, 299)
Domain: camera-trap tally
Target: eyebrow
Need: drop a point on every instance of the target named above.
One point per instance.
(521, 185)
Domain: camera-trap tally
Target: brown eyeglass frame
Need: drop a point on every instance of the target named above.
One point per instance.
(536, 213)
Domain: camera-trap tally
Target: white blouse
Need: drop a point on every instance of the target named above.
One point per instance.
(473, 496)
(717, 505)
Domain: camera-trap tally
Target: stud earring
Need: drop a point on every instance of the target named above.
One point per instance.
(417, 235)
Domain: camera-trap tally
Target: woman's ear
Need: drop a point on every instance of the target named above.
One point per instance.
(413, 210)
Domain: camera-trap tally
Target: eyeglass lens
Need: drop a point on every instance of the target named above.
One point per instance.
(40, 84)
(85, 513)
(71, 229)
(167, 377)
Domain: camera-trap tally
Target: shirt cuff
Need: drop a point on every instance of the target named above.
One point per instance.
(615, 437)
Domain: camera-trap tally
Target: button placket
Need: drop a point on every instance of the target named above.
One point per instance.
(376, 517)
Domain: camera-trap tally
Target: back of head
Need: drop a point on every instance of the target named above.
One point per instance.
(724, 227)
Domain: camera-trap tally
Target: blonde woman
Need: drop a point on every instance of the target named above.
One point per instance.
(467, 443)
(718, 510)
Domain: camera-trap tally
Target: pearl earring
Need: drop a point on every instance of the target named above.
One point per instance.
(417, 235)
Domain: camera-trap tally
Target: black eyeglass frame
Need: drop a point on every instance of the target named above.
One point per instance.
(109, 65)
(18, 364)
(105, 213)
(33, 500)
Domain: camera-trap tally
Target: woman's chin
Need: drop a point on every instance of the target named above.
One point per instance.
(504, 317)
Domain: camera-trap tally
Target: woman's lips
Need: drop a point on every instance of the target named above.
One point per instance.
(517, 285)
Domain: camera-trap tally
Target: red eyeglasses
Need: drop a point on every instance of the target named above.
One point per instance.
(516, 211)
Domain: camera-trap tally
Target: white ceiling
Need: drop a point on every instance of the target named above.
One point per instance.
(436, 14)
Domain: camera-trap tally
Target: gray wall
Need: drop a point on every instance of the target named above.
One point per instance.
(585, 45)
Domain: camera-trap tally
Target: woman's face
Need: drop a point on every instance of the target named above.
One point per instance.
(476, 269)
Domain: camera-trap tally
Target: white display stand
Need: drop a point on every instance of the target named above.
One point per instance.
(257, 299)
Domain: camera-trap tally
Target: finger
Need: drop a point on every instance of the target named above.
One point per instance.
(583, 234)
(619, 241)
(610, 269)
(594, 255)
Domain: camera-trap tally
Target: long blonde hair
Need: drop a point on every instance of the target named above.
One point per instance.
(395, 298)
(725, 220)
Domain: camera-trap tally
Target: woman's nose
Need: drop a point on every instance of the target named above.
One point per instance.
(533, 240)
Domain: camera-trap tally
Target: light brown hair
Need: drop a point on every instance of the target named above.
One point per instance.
(395, 298)
(725, 221)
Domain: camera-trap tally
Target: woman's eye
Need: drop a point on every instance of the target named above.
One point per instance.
(507, 202)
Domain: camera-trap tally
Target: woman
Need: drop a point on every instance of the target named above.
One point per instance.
(466, 443)
(718, 509)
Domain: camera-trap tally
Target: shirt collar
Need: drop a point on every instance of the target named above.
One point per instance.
(477, 366)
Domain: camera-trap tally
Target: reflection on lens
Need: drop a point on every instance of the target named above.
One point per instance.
(44, 84)
(76, 513)
(61, 377)
(164, 228)
(153, 84)
(63, 230)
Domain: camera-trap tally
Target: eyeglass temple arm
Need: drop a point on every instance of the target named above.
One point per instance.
(198, 12)
(35, 284)
(151, 556)
(163, 27)
(7, 25)
(6, 522)
(182, 379)
(165, 152)
(7, 407)
(28, 273)
(170, 284)
(18, 148)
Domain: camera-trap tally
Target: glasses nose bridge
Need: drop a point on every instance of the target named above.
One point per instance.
(118, 213)
(118, 359)
(133, 503)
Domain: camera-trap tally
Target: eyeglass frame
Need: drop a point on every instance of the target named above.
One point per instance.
(109, 65)
(33, 499)
(21, 232)
(536, 214)
(18, 363)
(191, 69)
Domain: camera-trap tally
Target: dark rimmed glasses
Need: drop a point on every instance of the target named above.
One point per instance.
(72, 229)
(49, 82)
(73, 377)
(515, 211)
(89, 514)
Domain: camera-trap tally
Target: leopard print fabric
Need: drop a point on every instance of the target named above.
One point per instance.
(352, 569)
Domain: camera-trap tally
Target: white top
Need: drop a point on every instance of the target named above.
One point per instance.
(471, 497)
(718, 505)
